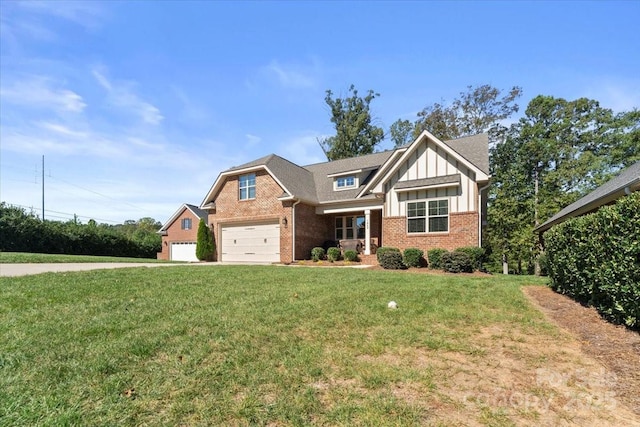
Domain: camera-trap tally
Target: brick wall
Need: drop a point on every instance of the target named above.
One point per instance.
(264, 208)
(311, 230)
(176, 234)
(463, 231)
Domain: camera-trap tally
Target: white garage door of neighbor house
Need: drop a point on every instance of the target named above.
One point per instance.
(251, 243)
(183, 251)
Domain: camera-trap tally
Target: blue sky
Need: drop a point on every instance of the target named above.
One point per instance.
(138, 106)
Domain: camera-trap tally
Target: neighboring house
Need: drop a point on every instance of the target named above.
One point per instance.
(427, 194)
(180, 234)
(625, 183)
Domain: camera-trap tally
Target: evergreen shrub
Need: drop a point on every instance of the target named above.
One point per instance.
(317, 254)
(434, 257)
(413, 257)
(456, 262)
(333, 254)
(391, 260)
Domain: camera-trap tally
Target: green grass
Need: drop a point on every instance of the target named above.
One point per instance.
(236, 345)
(23, 257)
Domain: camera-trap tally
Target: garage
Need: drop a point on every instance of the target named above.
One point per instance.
(183, 251)
(250, 243)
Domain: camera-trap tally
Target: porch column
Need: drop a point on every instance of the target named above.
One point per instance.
(367, 232)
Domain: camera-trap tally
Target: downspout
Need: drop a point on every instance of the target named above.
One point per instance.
(480, 213)
(293, 230)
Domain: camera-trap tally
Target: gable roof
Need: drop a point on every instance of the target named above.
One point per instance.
(466, 150)
(314, 183)
(474, 148)
(199, 213)
(628, 180)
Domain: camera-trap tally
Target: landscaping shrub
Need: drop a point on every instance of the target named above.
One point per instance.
(381, 251)
(413, 257)
(595, 259)
(456, 262)
(204, 245)
(333, 254)
(350, 255)
(317, 254)
(435, 258)
(475, 253)
(391, 260)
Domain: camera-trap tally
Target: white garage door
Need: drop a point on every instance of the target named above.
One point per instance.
(183, 251)
(251, 243)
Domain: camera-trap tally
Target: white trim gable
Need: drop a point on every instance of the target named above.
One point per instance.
(377, 184)
(174, 217)
(217, 185)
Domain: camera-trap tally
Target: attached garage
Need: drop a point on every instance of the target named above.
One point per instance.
(250, 243)
(183, 251)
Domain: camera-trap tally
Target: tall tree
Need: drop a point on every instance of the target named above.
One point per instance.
(355, 133)
(479, 109)
(401, 132)
(556, 153)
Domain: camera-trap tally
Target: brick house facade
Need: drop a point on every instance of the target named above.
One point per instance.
(427, 194)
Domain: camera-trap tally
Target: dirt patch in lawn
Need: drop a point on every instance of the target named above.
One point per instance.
(615, 347)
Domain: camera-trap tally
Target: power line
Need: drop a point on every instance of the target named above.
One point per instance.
(70, 215)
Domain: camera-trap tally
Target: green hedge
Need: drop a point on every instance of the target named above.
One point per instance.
(24, 232)
(317, 254)
(595, 259)
(391, 260)
(333, 254)
(475, 253)
(384, 249)
(414, 257)
(457, 262)
(434, 257)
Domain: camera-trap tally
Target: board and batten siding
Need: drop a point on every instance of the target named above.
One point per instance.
(430, 161)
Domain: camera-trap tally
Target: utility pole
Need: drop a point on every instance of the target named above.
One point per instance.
(43, 188)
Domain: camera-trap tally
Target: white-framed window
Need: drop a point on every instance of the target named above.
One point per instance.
(185, 224)
(247, 186)
(428, 216)
(350, 227)
(345, 182)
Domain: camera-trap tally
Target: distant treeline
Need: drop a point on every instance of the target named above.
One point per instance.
(21, 231)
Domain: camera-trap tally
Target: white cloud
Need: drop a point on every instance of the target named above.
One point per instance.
(41, 92)
(303, 149)
(293, 76)
(253, 139)
(122, 96)
(84, 13)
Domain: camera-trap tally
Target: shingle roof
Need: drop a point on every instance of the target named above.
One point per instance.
(313, 184)
(473, 148)
(196, 210)
(602, 195)
(324, 185)
(426, 182)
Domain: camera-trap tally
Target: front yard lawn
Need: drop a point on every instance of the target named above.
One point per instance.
(285, 346)
(24, 257)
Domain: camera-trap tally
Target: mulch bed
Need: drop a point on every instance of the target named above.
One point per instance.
(615, 347)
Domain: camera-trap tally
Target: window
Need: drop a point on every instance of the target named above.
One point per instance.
(350, 227)
(247, 186)
(432, 217)
(345, 182)
(185, 224)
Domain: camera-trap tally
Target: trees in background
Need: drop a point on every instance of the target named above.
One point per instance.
(559, 151)
(477, 110)
(356, 135)
(24, 232)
